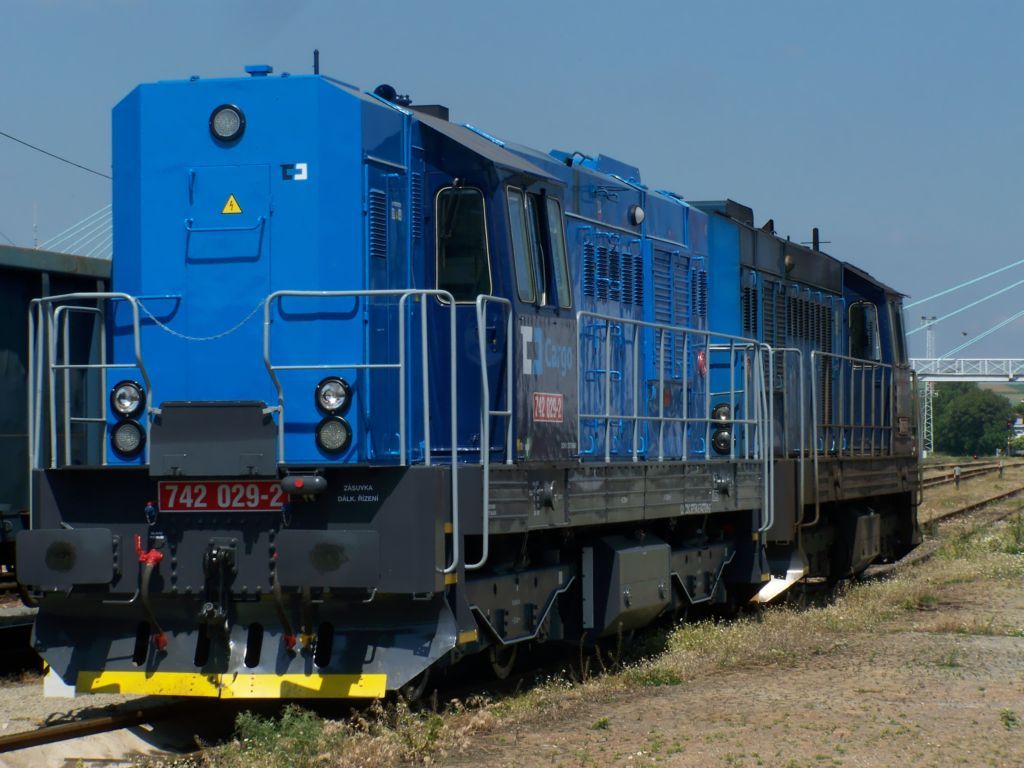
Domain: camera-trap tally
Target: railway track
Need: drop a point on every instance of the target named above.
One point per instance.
(927, 549)
(72, 730)
(947, 475)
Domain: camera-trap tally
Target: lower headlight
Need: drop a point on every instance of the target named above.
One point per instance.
(333, 434)
(721, 441)
(127, 438)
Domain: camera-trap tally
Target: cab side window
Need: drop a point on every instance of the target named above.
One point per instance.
(559, 266)
(864, 341)
(538, 249)
(522, 255)
(463, 268)
(899, 340)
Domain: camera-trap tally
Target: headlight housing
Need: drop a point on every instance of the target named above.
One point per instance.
(721, 412)
(333, 435)
(333, 395)
(227, 123)
(127, 438)
(127, 398)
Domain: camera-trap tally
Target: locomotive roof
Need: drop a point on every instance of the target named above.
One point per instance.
(12, 256)
(487, 148)
(866, 276)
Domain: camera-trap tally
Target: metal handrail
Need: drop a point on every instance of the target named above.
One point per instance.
(403, 296)
(803, 449)
(64, 312)
(757, 409)
(739, 344)
(43, 319)
(486, 414)
(851, 426)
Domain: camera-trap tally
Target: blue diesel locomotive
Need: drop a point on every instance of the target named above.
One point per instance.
(384, 391)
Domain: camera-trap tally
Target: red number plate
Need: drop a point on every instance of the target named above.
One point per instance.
(547, 407)
(221, 496)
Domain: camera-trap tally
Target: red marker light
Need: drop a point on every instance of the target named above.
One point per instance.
(299, 482)
(702, 362)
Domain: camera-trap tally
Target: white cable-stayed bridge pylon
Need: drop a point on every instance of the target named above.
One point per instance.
(931, 369)
(92, 236)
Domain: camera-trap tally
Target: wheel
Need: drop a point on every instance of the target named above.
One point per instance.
(503, 659)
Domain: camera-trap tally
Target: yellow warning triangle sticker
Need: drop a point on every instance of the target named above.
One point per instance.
(231, 206)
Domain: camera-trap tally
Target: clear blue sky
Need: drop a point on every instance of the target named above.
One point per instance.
(895, 127)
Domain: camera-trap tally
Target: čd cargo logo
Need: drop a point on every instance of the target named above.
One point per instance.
(547, 407)
(540, 353)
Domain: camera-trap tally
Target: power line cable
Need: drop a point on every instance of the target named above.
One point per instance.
(55, 157)
(981, 336)
(966, 307)
(5, 237)
(963, 285)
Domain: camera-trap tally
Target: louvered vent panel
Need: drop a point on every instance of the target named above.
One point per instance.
(700, 293)
(638, 280)
(626, 273)
(417, 205)
(681, 309)
(662, 288)
(748, 300)
(773, 324)
(615, 274)
(589, 270)
(824, 368)
(603, 270)
(662, 300)
(378, 224)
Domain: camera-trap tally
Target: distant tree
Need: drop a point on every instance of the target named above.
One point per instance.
(970, 420)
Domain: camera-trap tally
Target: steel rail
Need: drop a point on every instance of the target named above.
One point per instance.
(49, 734)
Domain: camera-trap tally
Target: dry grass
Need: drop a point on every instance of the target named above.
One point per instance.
(389, 734)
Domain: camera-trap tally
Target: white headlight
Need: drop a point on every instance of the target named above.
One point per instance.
(227, 122)
(126, 398)
(333, 394)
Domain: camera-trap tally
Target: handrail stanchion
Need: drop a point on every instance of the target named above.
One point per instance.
(65, 332)
(425, 374)
(403, 382)
(486, 413)
(454, 405)
(814, 431)
(686, 396)
(732, 396)
(608, 391)
(636, 395)
(51, 354)
(661, 398)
